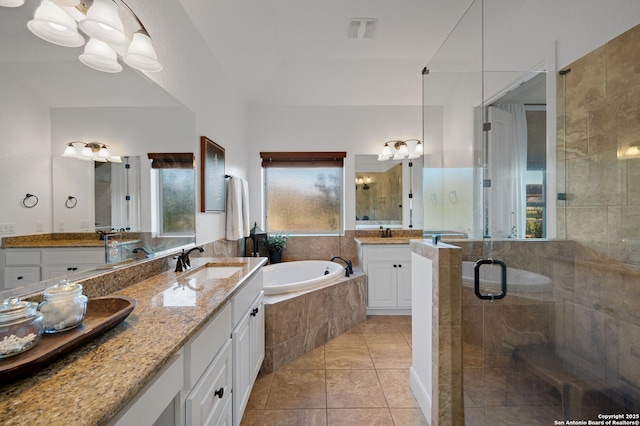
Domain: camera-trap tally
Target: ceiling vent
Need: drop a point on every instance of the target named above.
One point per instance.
(361, 28)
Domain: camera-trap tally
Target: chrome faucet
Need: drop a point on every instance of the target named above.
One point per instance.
(348, 270)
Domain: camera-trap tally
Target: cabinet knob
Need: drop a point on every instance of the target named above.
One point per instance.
(20, 277)
(254, 312)
(219, 393)
(399, 266)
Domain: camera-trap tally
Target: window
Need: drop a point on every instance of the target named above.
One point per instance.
(175, 195)
(176, 201)
(303, 192)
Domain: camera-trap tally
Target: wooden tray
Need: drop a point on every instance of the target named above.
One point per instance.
(103, 313)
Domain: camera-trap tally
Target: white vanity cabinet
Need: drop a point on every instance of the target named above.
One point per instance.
(64, 261)
(248, 343)
(219, 366)
(24, 266)
(209, 367)
(388, 270)
(157, 402)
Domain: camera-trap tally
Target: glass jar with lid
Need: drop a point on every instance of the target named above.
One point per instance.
(64, 307)
(20, 326)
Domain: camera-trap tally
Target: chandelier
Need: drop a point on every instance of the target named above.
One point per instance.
(399, 150)
(57, 21)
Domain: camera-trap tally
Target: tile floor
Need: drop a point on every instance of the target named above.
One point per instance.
(359, 378)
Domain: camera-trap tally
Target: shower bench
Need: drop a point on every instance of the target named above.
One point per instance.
(572, 385)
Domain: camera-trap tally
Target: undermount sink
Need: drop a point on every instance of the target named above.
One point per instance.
(213, 272)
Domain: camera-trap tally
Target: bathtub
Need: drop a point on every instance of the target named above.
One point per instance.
(299, 276)
(518, 280)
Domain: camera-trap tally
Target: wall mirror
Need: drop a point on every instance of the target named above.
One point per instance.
(47, 99)
(382, 192)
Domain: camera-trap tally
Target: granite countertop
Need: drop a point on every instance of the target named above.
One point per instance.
(55, 244)
(91, 384)
(61, 239)
(380, 240)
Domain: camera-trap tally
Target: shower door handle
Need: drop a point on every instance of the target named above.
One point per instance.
(476, 279)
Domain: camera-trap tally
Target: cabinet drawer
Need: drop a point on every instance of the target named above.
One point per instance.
(245, 297)
(206, 344)
(73, 256)
(49, 272)
(207, 401)
(22, 257)
(386, 253)
(21, 275)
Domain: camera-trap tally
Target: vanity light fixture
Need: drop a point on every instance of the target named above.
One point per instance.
(114, 29)
(92, 151)
(363, 181)
(401, 150)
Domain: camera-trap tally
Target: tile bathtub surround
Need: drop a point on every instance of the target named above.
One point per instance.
(325, 247)
(301, 323)
(358, 378)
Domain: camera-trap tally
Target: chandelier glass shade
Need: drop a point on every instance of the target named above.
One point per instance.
(11, 3)
(59, 21)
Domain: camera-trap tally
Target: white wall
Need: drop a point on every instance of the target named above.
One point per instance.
(24, 146)
(354, 129)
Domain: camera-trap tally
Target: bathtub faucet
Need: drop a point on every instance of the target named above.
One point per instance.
(348, 270)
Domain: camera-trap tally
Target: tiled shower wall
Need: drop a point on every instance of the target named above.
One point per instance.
(598, 112)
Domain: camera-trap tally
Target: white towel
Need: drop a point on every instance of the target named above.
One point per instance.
(238, 224)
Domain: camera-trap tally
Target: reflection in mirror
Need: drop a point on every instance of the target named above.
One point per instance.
(379, 193)
(516, 161)
(48, 98)
(383, 190)
(107, 194)
(117, 195)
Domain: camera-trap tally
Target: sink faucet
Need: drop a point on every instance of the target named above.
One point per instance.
(385, 233)
(101, 234)
(348, 270)
(184, 263)
(142, 249)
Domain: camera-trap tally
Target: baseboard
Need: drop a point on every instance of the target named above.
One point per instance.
(421, 394)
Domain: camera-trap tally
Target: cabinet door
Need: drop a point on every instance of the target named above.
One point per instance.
(242, 368)
(207, 401)
(403, 272)
(381, 285)
(256, 329)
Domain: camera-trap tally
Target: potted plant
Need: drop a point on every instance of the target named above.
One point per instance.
(276, 243)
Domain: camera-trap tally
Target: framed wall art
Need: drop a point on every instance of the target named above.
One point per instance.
(212, 185)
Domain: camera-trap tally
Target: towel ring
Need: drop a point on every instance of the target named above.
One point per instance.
(71, 202)
(30, 201)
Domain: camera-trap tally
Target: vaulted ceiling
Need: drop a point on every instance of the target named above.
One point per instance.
(296, 52)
